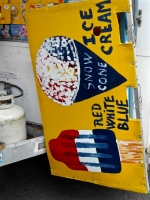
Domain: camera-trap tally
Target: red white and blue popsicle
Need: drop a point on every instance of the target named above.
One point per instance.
(87, 150)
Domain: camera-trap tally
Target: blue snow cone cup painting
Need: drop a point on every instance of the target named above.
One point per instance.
(68, 72)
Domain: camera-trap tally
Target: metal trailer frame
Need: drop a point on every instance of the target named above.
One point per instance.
(22, 150)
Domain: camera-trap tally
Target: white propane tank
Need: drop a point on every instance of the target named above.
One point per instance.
(12, 120)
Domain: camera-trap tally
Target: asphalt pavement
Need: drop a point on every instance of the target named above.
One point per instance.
(31, 180)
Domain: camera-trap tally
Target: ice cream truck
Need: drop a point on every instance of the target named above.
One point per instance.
(74, 83)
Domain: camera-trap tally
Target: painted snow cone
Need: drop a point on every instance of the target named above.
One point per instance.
(87, 150)
(68, 72)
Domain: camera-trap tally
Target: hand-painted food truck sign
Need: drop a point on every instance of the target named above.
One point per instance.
(72, 77)
(82, 72)
(104, 15)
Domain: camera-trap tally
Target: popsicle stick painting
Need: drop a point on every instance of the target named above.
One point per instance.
(82, 72)
(94, 151)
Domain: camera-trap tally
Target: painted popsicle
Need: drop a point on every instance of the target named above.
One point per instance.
(94, 151)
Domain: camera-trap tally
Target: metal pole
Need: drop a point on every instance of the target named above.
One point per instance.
(135, 14)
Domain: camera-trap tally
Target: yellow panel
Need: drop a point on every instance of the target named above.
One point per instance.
(10, 1)
(49, 1)
(27, 1)
(23, 7)
(30, 6)
(82, 72)
(2, 14)
(15, 13)
(5, 14)
(35, 1)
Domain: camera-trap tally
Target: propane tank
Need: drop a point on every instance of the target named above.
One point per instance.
(12, 119)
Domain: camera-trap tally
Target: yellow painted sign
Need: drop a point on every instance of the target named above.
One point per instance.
(82, 73)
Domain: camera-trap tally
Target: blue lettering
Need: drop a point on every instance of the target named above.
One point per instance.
(107, 52)
(85, 15)
(87, 28)
(104, 18)
(87, 40)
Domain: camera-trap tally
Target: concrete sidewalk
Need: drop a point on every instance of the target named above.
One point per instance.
(30, 180)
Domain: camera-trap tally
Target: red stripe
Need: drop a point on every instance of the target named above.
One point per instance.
(63, 149)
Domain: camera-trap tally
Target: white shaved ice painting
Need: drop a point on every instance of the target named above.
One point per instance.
(58, 71)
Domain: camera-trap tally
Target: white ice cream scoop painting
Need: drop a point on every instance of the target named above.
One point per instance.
(68, 72)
